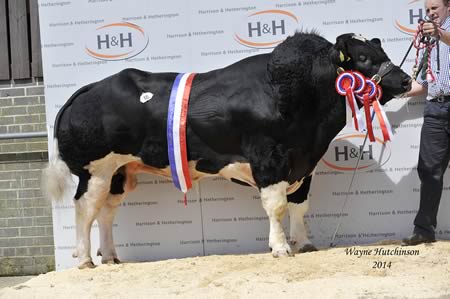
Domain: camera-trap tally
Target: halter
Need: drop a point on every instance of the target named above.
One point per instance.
(385, 68)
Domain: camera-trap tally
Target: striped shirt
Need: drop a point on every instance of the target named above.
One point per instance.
(441, 85)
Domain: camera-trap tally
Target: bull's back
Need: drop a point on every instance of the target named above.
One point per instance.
(111, 117)
(231, 102)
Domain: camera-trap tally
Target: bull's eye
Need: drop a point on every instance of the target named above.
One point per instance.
(362, 58)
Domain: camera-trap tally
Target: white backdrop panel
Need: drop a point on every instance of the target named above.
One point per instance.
(199, 36)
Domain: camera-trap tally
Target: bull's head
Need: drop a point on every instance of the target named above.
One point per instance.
(353, 52)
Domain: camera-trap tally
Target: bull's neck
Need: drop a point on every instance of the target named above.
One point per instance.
(325, 117)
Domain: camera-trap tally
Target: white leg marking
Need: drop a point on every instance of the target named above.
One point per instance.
(274, 201)
(298, 232)
(105, 221)
(87, 209)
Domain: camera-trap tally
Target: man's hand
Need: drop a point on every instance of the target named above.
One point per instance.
(431, 28)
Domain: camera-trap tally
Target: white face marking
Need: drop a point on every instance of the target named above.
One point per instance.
(145, 97)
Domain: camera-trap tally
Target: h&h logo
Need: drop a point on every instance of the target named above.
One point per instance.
(344, 152)
(117, 41)
(265, 29)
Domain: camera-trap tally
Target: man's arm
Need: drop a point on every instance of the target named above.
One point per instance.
(417, 90)
(444, 36)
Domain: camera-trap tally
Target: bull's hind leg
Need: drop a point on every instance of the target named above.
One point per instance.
(121, 183)
(89, 205)
(298, 205)
(87, 208)
(274, 201)
(105, 221)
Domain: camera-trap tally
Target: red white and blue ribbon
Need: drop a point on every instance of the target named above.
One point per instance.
(347, 84)
(176, 131)
(385, 126)
(368, 92)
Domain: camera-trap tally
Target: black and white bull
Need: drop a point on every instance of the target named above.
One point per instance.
(264, 121)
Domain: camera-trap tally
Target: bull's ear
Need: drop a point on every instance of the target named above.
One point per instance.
(376, 41)
(338, 53)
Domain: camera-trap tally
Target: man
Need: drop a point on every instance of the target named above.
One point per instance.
(434, 151)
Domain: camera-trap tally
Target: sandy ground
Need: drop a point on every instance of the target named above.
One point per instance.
(331, 273)
(8, 281)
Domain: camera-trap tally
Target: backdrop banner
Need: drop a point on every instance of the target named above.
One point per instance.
(87, 40)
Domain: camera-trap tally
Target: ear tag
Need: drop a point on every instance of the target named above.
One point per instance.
(341, 56)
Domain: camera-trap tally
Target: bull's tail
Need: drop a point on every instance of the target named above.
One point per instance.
(56, 178)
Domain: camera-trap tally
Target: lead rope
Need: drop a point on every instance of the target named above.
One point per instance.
(348, 190)
(425, 43)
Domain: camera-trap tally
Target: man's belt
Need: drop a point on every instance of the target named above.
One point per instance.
(441, 99)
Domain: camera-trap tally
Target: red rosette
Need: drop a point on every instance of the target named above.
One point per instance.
(360, 82)
(370, 90)
(345, 81)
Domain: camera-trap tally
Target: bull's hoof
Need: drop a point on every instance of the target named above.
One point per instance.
(113, 261)
(282, 251)
(86, 265)
(75, 254)
(108, 260)
(307, 248)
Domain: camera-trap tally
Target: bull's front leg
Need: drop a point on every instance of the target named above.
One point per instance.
(269, 162)
(274, 201)
(298, 204)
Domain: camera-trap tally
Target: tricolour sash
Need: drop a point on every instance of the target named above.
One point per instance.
(176, 131)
